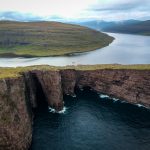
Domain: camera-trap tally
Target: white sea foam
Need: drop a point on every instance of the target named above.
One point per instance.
(115, 99)
(63, 111)
(103, 96)
(139, 105)
(81, 89)
(121, 101)
(74, 95)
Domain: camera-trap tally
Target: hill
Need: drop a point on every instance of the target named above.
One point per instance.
(101, 25)
(29, 39)
(142, 27)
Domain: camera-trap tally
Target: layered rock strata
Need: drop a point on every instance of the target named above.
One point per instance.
(15, 115)
(18, 96)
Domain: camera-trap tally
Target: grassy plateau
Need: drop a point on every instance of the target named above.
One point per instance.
(7, 72)
(35, 39)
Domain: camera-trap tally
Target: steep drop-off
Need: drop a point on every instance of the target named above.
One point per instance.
(18, 94)
(15, 115)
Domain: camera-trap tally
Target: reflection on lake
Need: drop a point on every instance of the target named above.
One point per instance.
(126, 49)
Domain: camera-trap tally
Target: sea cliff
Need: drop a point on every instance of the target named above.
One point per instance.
(19, 88)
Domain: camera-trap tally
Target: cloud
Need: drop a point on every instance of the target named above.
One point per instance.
(31, 10)
(26, 17)
(121, 5)
(119, 10)
(62, 8)
(17, 16)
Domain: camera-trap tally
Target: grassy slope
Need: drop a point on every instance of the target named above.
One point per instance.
(15, 72)
(142, 28)
(48, 39)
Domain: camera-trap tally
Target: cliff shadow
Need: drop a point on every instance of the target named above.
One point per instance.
(40, 96)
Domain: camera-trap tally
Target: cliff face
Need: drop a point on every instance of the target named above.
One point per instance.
(69, 78)
(129, 85)
(19, 95)
(50, 82)
(15, 115)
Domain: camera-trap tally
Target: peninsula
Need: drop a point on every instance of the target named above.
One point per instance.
(37, 39)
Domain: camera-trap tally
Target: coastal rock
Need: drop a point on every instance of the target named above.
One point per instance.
(18, 95)
(15, 115)
(50, 82)
(68, 81)
(30, 88)
(129, 85)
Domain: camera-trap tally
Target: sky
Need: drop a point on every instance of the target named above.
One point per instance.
(110, 10)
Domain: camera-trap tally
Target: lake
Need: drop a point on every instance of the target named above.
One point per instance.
(125, 49)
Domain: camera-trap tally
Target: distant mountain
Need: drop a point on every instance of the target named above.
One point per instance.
(98, 25)
(142, 27)
(126, 26)
(102, 25)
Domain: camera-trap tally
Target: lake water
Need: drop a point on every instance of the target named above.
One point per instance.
(92, 123)
(125, 49)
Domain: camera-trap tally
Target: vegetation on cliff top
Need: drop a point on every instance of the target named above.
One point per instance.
(35, 39)
(16, 72)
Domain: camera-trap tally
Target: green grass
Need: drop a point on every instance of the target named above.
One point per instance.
(16, 72)
(48, 39)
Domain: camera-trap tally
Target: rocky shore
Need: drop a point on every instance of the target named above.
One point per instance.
(18, 93)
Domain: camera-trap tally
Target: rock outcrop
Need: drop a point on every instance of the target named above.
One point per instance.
(50, 82)
(15, 115)
(129, 85)
(69, 78)
(18, 96)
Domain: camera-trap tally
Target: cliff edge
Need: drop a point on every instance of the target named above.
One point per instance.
(19, 88)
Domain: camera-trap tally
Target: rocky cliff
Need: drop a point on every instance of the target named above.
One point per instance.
(15, 115)
(18, 95)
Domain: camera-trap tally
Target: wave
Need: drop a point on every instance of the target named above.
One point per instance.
(63, 111)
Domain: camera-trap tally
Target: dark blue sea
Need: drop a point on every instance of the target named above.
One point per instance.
(91, 121)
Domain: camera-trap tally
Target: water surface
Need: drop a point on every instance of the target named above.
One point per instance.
(126, 49)
(92, 123)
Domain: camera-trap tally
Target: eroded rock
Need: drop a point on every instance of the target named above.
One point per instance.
(19, 95)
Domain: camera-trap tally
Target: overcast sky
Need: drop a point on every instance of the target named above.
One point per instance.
(75, 9)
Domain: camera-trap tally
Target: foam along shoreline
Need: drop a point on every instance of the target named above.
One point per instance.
(63, 111)
(105, 97)
(21, 90)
